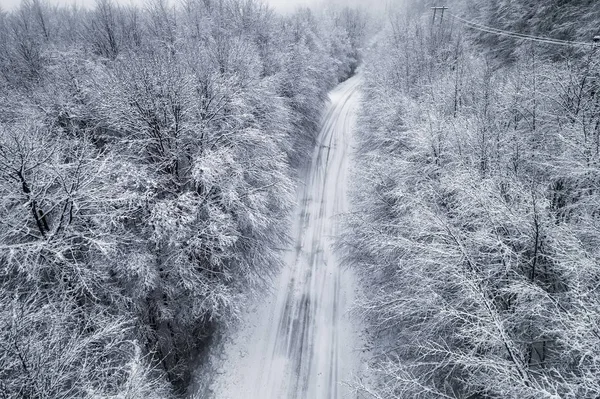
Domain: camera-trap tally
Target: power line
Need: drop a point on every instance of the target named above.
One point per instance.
(515, 35)
(489, 29)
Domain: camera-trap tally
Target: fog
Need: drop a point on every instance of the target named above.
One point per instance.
(280, 5)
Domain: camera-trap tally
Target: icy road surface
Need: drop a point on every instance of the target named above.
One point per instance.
(301, 343)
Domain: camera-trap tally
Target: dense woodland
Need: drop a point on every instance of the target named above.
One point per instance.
(148, 163)
(148, 158)
(476, 221)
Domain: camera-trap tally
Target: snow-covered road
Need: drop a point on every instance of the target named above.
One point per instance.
(301, 343)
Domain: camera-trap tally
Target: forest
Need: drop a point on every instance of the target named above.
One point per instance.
(148, 157)
(151, 156)
(475, 222)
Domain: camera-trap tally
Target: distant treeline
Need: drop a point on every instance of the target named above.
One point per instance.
(147, 166)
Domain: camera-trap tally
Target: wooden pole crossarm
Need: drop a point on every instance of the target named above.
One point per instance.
(435, 9)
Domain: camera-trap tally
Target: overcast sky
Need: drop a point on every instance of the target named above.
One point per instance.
(282, 5)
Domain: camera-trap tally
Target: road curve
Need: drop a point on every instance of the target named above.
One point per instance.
(301, 344)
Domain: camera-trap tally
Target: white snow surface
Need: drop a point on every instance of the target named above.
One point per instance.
(302, 342)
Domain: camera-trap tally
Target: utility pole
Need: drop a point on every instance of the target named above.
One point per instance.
(435, 10)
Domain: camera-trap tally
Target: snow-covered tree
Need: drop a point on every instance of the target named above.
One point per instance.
(147, 164)
(474, 220)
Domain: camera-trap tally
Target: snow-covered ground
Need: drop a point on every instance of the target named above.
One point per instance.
(301, 341)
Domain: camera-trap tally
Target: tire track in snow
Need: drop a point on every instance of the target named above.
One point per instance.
(300, 344)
